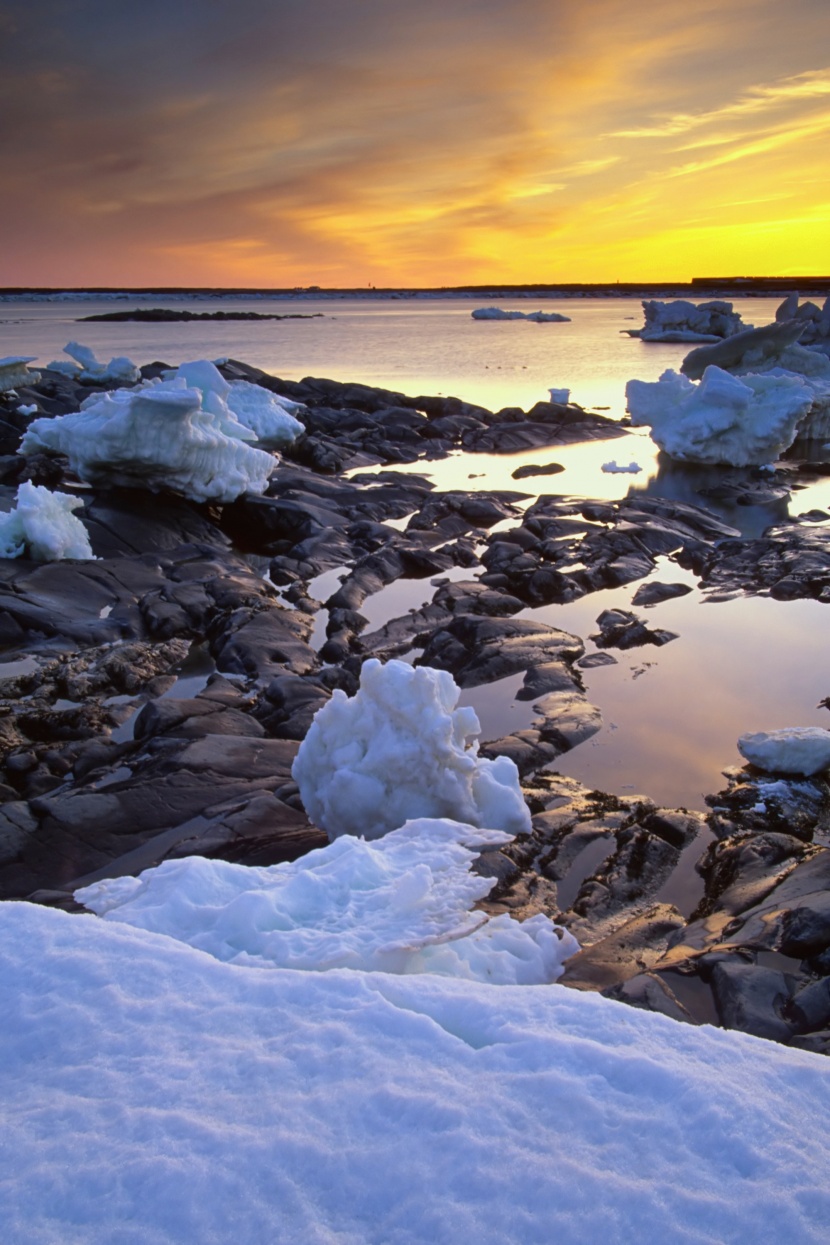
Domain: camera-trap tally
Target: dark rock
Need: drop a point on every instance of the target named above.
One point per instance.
(654, 593)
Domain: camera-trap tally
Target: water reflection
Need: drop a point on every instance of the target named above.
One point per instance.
(718, 490)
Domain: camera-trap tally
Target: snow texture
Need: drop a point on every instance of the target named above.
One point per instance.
(399, 749)
(740, 422)
(682, 321)
(270, 419)
(155, 1096)
(792, 750)
(538, 317)
(14, 372)
(43, 527)
(161, 435)
(401, 905)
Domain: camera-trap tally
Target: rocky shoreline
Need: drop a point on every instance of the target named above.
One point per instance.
(152, 701)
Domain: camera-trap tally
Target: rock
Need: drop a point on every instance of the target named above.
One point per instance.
(752, 999)
(622, 629)
(654, 593)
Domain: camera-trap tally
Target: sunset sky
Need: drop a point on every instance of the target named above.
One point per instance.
(412, 142)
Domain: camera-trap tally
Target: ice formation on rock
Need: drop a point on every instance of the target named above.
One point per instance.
(538, 317)
(87, 368)
(400, 749)
(14, 372)
(792, 750)
(43, 527)
(402, 904)
(157, 436)
(270, 419)
(683, 321)
(740, 422)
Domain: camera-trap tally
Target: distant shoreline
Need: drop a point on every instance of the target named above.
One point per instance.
(697, 288)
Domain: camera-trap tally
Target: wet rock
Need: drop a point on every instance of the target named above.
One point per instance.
(536, 469)
(481, 650)
(752, 999)
(622, 629)
(654, 593)
(629, 951)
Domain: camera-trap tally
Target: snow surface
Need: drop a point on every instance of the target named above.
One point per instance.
(153, 1095)
(43, 527)
(791, 750)
(538, 317)
(740, 422)
(401, 904)
(160, 435)
(399, 749)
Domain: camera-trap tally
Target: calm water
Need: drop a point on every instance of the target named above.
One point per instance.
(671, 715)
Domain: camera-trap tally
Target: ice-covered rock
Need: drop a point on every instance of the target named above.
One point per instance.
(740, 422)
(154, 437)
(792, 750)
(400, 749)
(14, 371)
(402, 904)
(538, 317)
(683, 321)
(261, 415)
(43, 527)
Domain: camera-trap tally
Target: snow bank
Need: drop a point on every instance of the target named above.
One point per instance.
(792, 750)
(152, 1095)
(161, 435)
(538, 317)
(43, 527)
(401, 904)
(741, 422)
(14, 371)
(682, 321)
(400, 749)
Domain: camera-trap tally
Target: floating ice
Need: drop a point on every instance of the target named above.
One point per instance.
(43, 526)
(270, 418)
(400, 749)
(741, 422)
(538, 317)
(402, 904)
(14, 372)
(791, 750)
(157, 436)
(613, 468)
(682, 321)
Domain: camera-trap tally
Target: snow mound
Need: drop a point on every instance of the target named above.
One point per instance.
(87, 368)
(157, 436)
(400, 749)
(740, 422)
(260, 415)
(538, 317)
(399, 905)
(682, 321)
(43, 527)
(791, 750)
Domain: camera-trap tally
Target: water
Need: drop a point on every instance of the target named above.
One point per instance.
(671, 715)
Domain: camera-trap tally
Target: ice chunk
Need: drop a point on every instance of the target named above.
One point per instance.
(559, 395)
(538, 317)
(400, 749)
(682, 321)
(14, 372)
(741, 422)
(259, 414)
(402, 904)
(43, 526)
(157, 436)
(792, 750)
(613, 467)
(119, 371)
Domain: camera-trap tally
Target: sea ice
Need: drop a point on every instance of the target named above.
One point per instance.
(538, 317)
(399, 749)
(269, 418)
(792, 750)
(119, 371)
(401, 904)
(613, 468)
(682, 321)
(740, 422)
(43, 527)
(156, 436)
(14, 372)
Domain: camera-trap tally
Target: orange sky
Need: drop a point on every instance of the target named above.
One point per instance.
(412, 142)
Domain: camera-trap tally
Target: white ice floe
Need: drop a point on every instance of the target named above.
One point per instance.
(155, 1096)
(43, 527)
(157, 436)
(538, 317)
(614, 468)
(683, 321)
(402, 904)
(269, 418)
(746, 421)
(792, 750)
(14, 371)
(399, 749)
(89, 370)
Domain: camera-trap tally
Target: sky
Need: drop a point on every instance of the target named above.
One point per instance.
(277, 143)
